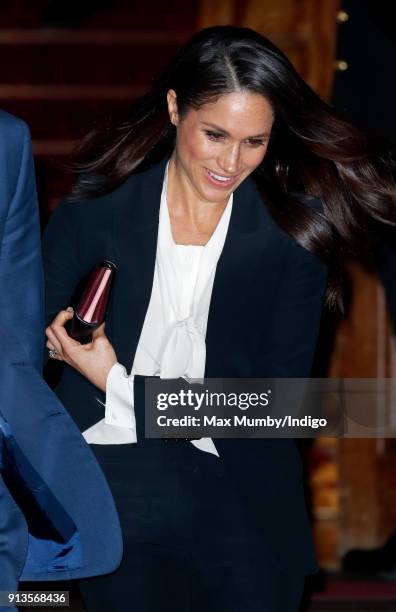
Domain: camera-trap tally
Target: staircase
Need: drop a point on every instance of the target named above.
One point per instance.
(65, 68)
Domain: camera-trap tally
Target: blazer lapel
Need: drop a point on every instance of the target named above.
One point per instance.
(237, 283)
(136, 232)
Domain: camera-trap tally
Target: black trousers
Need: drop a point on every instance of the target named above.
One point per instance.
(189, 545)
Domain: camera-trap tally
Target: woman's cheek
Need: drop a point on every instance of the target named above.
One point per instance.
(256, 157)
(205, 149)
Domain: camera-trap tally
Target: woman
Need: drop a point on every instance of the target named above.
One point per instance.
(227, 202)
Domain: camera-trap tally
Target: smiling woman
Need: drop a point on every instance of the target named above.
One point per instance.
(222, 142)
(227, 201)
(217, 147)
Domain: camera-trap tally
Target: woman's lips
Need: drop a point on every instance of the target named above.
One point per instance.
(224, 182)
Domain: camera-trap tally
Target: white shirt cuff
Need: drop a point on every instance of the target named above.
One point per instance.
(101, 433)
(119, 409)
(119, 424)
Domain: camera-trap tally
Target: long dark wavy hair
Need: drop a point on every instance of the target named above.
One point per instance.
(313, 149)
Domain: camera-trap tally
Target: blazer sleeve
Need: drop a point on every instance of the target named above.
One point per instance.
(21, 279)
(62, 270)
(289, 350)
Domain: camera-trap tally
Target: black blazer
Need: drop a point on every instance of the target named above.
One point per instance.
(263, 322)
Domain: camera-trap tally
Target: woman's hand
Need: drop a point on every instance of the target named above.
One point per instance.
(93, 360)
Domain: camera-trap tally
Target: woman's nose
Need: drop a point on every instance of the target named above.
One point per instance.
(229, 162)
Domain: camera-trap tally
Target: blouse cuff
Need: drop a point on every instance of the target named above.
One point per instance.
(119, 399)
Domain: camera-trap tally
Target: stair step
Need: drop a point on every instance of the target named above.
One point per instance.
(25, 91)
(81, 62)
(63, 119)
(119, 14)
(53, 148)
(65, 36)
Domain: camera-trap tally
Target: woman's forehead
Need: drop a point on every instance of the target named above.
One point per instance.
(238, 110)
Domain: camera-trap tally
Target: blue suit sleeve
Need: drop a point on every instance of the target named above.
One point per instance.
(21, 279)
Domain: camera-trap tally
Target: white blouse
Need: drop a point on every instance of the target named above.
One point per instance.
(172, 341)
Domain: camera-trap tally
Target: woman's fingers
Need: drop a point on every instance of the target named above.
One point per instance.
(62, 317)
(53, 344)
(67, 344)
(58, 339)
(93, 360)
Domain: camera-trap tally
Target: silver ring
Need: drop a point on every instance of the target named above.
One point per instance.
(53, 353)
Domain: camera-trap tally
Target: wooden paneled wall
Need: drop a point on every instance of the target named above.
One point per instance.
(304, 29)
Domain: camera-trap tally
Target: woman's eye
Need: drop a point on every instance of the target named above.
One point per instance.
(256, 142)
(252, 142)
(213, 135)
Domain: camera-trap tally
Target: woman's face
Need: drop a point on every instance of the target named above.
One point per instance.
(221, 143)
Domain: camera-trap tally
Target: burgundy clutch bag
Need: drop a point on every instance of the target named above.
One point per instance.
(90, 311)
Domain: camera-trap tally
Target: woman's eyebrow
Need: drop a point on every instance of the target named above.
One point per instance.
(222, 131)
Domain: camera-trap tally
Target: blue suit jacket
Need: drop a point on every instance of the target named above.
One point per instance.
(57, 514)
